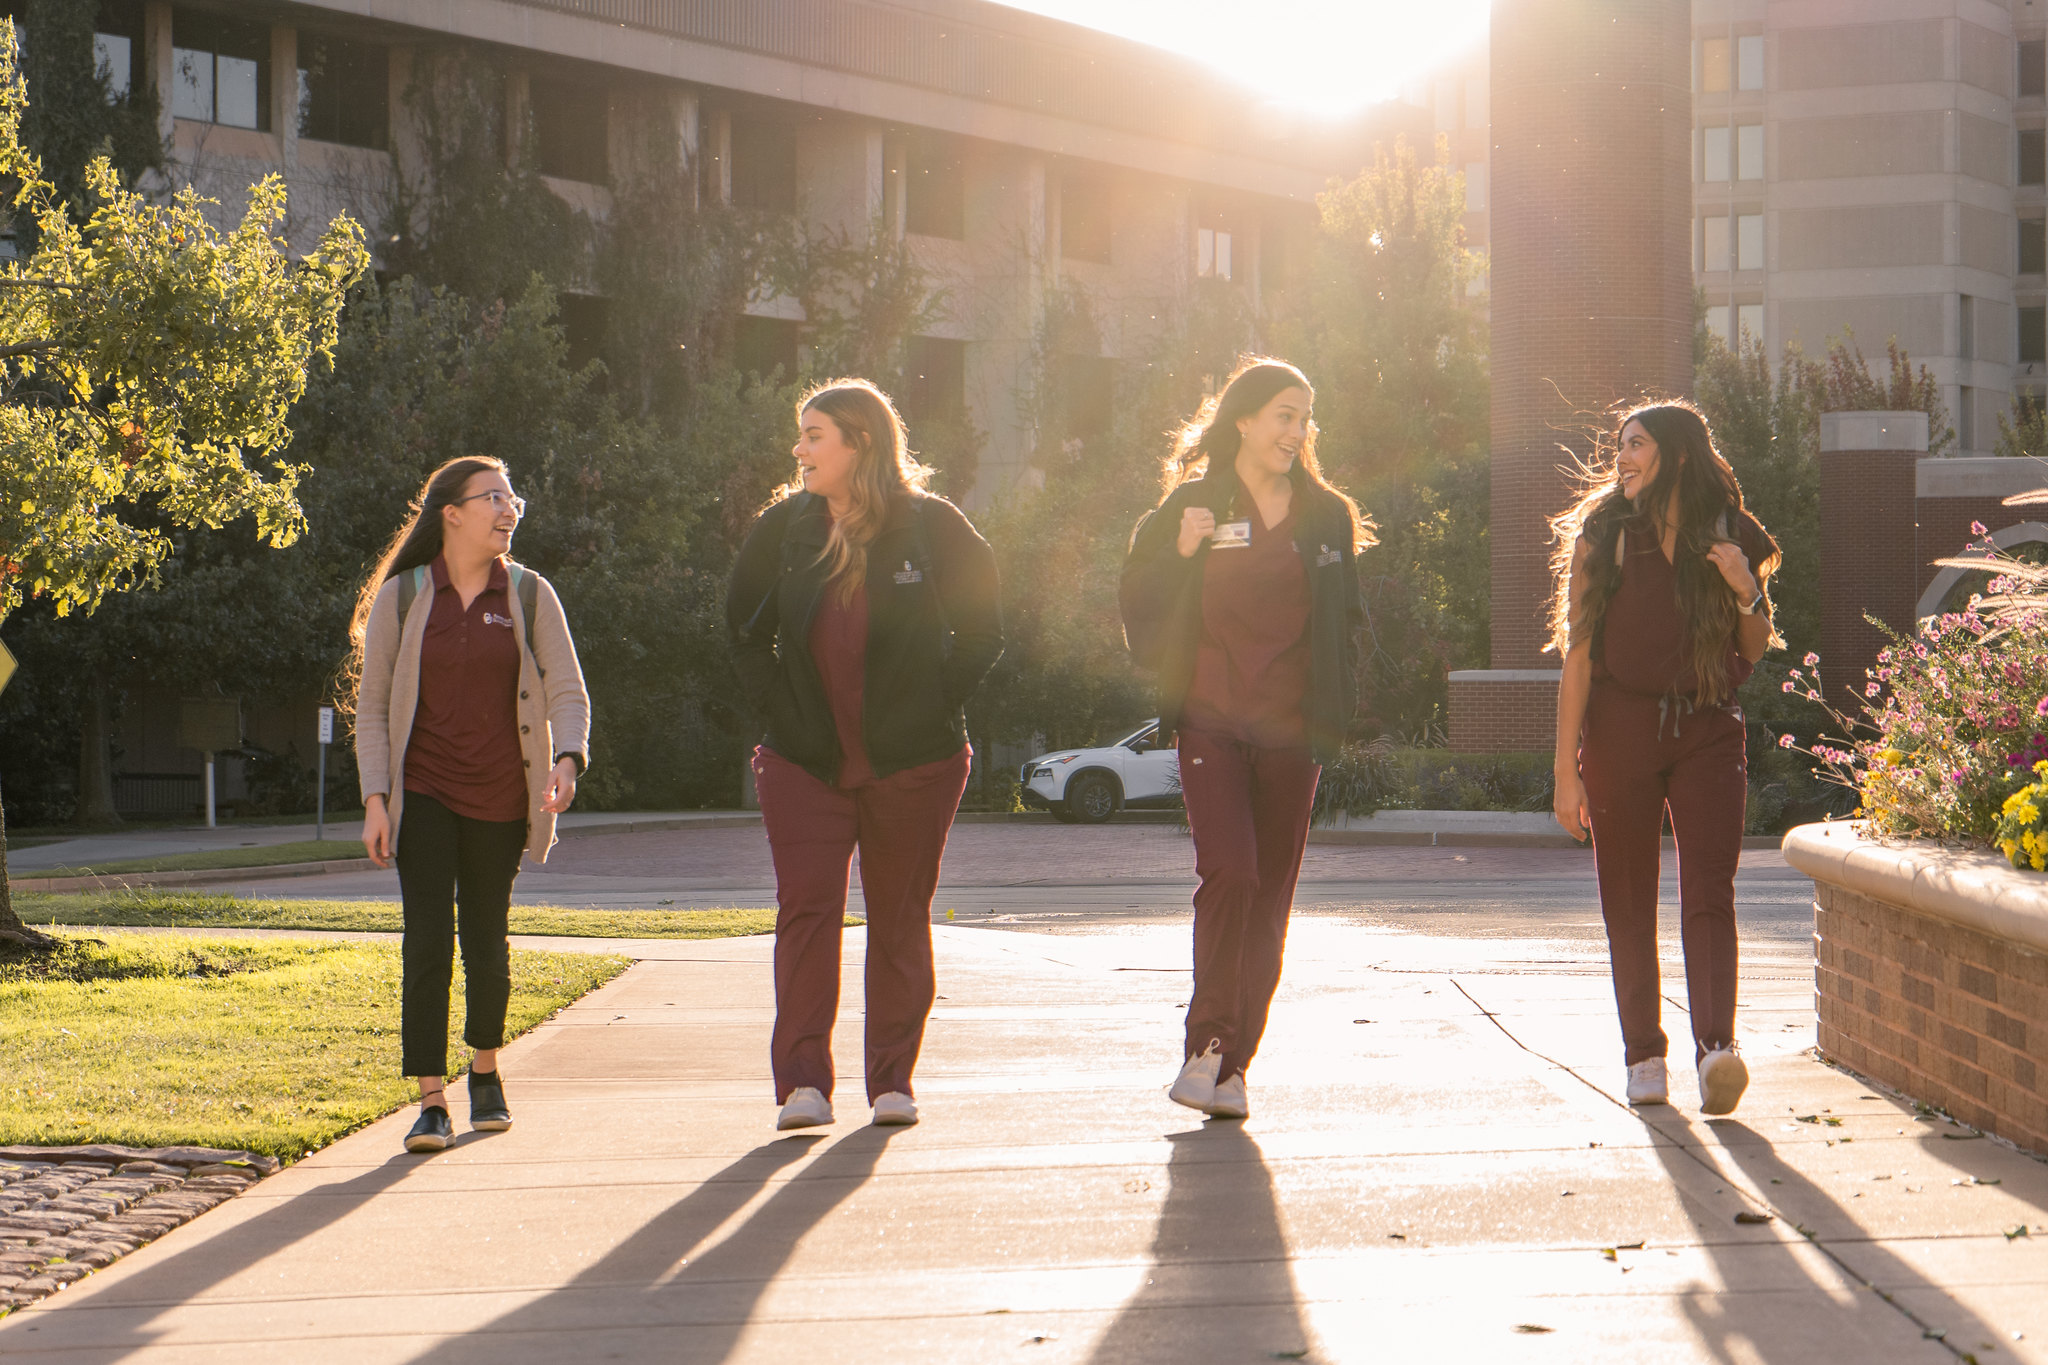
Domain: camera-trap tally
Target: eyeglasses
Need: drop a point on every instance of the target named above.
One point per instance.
(499, 498)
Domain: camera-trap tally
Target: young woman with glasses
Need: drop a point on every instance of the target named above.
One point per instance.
(472, 727)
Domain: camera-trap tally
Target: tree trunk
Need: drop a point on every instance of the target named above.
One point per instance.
(95, 759)
(12, 930)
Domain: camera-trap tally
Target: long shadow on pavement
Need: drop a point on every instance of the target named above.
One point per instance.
(1220, 1286)
(1803, 1204)
(652, 1297)
(188, 1273)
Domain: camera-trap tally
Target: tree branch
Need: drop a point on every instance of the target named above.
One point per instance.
(28, 348)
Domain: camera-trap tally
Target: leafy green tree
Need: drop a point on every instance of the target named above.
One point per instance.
(154, 361)
(1385, 326)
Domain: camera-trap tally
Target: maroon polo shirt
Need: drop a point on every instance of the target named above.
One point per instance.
(464, 750)
(839, 647)
(1643, 640)
(1252, 661)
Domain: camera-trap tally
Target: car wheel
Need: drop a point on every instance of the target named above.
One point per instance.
(1091, 798)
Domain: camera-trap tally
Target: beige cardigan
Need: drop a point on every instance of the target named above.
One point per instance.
(554, 709)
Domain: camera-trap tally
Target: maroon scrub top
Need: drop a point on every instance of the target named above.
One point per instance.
(839, 646)
(1643, 646)
(1252, 660)
(464, 750)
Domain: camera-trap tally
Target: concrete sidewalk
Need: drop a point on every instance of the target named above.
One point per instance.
(1436, 1168)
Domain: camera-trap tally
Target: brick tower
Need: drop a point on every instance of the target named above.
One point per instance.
(1592, 294)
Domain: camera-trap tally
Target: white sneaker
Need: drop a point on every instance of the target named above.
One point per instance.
(1230, 1102)
(807, 1108)
(895, 1110)
(1723, 1078)
(1648, 1082)
(1195, 1087)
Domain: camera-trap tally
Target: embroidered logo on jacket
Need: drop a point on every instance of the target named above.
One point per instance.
(909, 574)
(1328, 557)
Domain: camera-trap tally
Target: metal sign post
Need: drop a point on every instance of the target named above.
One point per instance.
(320, 799)
(209, 789)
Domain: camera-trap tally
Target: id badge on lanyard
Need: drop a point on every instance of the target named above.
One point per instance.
(1231, 535)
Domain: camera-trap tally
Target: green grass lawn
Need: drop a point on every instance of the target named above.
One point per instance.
(274, 1045)
(263, 855)
(147, 907)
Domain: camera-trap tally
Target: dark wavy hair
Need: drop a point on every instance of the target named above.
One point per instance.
(1707, 493)
(1210, 438)
(416, 542)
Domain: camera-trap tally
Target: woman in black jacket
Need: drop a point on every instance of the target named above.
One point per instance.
(1241, 589)
(864, 612)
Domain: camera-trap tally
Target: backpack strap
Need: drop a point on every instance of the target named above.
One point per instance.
(411, 584)
(526, 587)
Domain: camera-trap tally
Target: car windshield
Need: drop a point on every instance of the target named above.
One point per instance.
(1142, 732)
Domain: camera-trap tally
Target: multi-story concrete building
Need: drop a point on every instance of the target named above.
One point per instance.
(1019, 157)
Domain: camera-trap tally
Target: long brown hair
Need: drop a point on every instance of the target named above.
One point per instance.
(1708, 493)
(1210, 439)
(416, 542)
(886, 469)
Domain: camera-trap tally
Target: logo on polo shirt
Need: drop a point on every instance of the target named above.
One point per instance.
(491, 620)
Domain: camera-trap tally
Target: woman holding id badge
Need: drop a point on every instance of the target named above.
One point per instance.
(1241, 590)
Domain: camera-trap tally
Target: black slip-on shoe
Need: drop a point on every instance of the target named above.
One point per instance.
(432, 1133)
(487, 1111)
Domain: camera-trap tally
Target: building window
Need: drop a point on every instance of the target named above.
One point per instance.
(934, 379)
(935, 197)
(1475, 101)
(344, 91)
(116, 44)
(220, 70)
(1749, 152)
(1212, 253)
(2033, 246)
(1966, 418)
(1475, 187)
(1714, 66)
(764, 346)
(2033, 68)
(764, 165)
(1717, 321)
(1749, 322)
(569, 127)
(2033, 156)
(1966, 328)
(2033, 335)
(1714, 155)
(1085, 219)
(1716, 254)
(1749, 242)
(1749, 62)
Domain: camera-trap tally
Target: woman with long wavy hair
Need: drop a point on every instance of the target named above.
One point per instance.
(1661, 611)
(863, 614)
(472, 726)
(1241, 590)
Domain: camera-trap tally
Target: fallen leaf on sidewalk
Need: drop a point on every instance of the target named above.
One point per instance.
(1960, 1137)
(1629, 1246)
(1041, 1338)
(1532, 1328)
(1302, 1354)
(1828, 1119)
(1749, 1219)
(2017, 1231)
(1607, 1253)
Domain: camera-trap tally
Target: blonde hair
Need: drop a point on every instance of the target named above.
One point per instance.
(886, 469)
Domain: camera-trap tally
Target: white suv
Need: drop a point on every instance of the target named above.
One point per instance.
(1087, 786)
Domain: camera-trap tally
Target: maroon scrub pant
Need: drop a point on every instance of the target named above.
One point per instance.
(1639, 756)
(899, 823)
(1248, 808)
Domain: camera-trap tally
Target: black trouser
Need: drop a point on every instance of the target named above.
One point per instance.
(442, 858)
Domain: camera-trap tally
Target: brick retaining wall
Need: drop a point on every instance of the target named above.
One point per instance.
(1952, 1016)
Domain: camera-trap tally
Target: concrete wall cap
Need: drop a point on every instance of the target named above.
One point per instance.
(1977, 476)
(1505, 675)
(1860, 431)
(1971, 887)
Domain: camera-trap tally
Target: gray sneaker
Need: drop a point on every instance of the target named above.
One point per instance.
(1649, 1082)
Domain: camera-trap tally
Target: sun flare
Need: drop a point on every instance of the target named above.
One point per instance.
(1319, 57)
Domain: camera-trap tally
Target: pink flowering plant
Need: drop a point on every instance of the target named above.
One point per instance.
(1954, 719)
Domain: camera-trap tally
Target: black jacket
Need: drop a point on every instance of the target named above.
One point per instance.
(935, 628)
(1161, 597)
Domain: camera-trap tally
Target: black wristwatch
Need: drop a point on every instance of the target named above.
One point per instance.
(573, 756)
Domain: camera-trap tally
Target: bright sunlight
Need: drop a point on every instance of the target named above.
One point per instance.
(1322, 57)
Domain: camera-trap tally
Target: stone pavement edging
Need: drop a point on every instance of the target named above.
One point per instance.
(68, 1211)
(1976, 889)
(193, 877)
